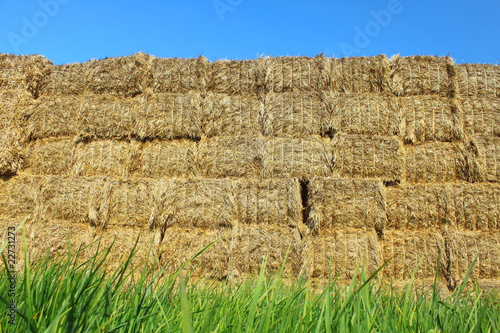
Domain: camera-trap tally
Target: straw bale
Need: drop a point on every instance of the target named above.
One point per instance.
(464, 246)
(481, 116)
(423, 75)
(369, 157)
(489, 157)
(289, 157)
(407, 248)
(46, 238)
(295, 114)
(225, 115)
(123, 76)
(180, 202)
(28, 73)
(433, 162)
(477, 206)
(340, 251)
(251, 244)
(368, 114)
(177, 158)
(269, 201)
(11, 157)
(52, 237)
(355, 75)
(282, 74)
(177, 75)
(233, 77)
(161, 116)
(479, 80)
(467, 206)
(12, 105)
(65, 157)
(431, 118)
(420, 206)
(181, 244)
(338, 203)
(221, 157)
(122, 240)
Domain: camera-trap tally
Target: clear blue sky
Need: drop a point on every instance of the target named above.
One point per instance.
(67, 31)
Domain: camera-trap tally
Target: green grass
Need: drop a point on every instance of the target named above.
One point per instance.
(63, 296)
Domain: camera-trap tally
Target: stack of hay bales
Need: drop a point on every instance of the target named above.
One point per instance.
(331, 163)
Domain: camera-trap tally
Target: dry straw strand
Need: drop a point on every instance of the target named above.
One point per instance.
(489, 157)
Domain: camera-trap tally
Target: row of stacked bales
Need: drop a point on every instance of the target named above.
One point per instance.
(328, 162)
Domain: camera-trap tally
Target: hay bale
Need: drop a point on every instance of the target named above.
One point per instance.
(477, 206)
(464, 246)
(479, 80)
(233, 77)
(340, 251)
(11, 157)
(27, 73)
(407, 248)
(283, 74)
(366, 114)
(467, 206)
(345, 203)
(123, 76)
(295, 114)
(225, 115)
(175, 75)
(368, 157)
(251, 244)
(65, 157)
(489, 157)
(420, 206)
(481, 116)
(431, 118)
(155, 159)
(355, 75)
(51, 237)
(181, 244)
(12, 105)
(179, 202)
(423, 75)
(433, 163)
(221, 157)
(268, 201)
(161, 116)
(289, 157)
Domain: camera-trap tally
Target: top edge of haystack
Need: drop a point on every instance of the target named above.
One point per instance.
(6, 57)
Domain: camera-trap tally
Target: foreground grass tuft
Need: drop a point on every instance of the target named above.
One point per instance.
(66, 295)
